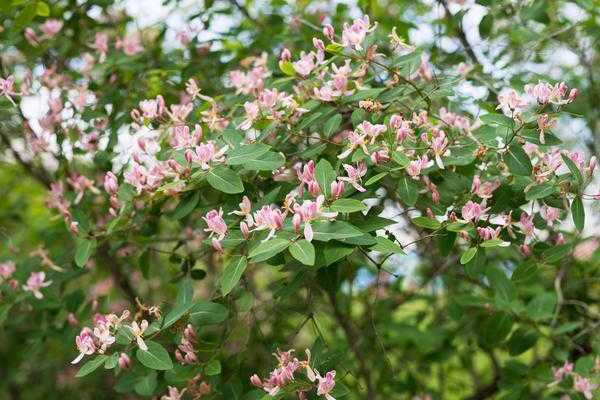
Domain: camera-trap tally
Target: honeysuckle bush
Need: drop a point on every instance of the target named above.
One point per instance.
(320, 214)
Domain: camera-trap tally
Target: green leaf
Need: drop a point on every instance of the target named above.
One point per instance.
(578, 213)
(408, 190)
(325, 174)
(232, 274)
(496, 328)
(240, 155)
(145, 385)
(186, 205)
(332, 125)
(83, 250)
(91, 365)
(225, 180)
(375, 178)
(524, 272)
(540, 191)
(426, 222)
(208, 313)
(265, 250)
(541, 306)
(364, 94)
(325, 231)
(156, 357)
(42, 9)
(517, 160)
(573, 169)
(521, 340)
(556, 253)
(385, 245)
(112, 361)
(185, 294)
(400, 159)
(303, 251)
(212, 368)
(336, 251)
(498, 119)
(500, 283)
(176, 313)
(266, 162)
(494, 243)
(347, 205)
(468, 255)
(287, 68)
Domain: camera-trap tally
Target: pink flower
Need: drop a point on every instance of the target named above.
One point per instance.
(439, 144)
(309, 211)
(371, 130)
(51, 27)
(510, 102)
(584, 386)
(286, 55)
(80, 184)
(101, 45)
(173, 394)
(252, 112)
(6, 270)
(472, 211)
(181, 137)
(35, 282)
(541, 92)
(488, 232)
(85, 344)
(484, 190)
(353, 35)
(179, 112)
(402, 127)
(550, 214)
(31, 37)
(7, 88)
(424, 70)
(268, 218)
(329, 32)
(562, 372)
(527, 226)
(356, 140)
(544, 123)
(354, 175)
(280, 376)
(124, 361)
(185, 352)
(206, 153)
(326, 384)
(215, 223)
(152, 108)
(337, 189)
(111, 184)
(130, 44)
(138, 331)
(415, 167)
(305, 64)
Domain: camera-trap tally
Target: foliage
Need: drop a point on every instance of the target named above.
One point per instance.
(178, 209)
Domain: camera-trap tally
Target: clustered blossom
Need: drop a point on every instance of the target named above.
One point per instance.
(185, 353)
(308, 211)
(100, 337)
(581, 384)
(284, 374)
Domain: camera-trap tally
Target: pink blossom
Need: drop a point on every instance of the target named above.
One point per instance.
(510, 102)
(415, 167)
(424, 71)
(101, 45)
(380, 156)
(181, 137)
(306, 175)
(80, 184)
(584, 386)
(130, 44)
(206, 153)
(280, 376)
(329, 32)
(337, 189)
(215, 223)
(124, 361)
(541, 92)
(472, 211)
(152, 108)
(111, 184)
(371, 130)
(252, 112)
(268, 218)
(309, 211)
(354, 175)
(353, 35)
(185, 353)
(85, 344)
(562, 372)
(488, 232)
(31, 37)
(484, 190)
(526, 222)
(51, 27)
(245, 230)
(356, 140)
(439, 145)
(286, 55)
(544, 123)
(35, 282)
(326, 384)
(179, 112)
(305, 64)
(138, 331)
(6, 270)
(402, 127)
(7, 88)
(550, 214)
(173, 394)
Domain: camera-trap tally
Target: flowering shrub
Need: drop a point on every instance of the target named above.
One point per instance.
(201, 230)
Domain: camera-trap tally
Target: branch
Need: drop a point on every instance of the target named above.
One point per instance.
(119, 278)
(462, 37)
(40, 176)
(351, 336)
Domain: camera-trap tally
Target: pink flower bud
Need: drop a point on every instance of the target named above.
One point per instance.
(245, 230)
(525, 250)
(124, 361)
(296, 221)
(329, 32)
(216, 245)
(573, 95)
(255, 380)
(286, 55)
(337, 189)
